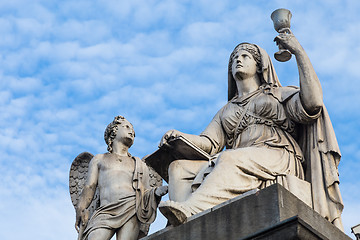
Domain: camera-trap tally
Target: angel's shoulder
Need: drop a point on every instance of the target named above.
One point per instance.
(99, 158)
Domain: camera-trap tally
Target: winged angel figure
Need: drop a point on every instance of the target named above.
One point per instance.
(114, 192)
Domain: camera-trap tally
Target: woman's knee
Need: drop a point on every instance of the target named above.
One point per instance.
(174, 165)
(175, 169)
(185, 168)
(229, 156)
(101, 233)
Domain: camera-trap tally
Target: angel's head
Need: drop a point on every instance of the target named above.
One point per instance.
(119, 130)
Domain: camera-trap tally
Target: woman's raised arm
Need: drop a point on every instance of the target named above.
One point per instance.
(310, 87)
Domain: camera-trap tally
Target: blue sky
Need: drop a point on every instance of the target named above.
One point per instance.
(68, 67)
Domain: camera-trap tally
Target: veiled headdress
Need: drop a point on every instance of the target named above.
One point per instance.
(267, 72)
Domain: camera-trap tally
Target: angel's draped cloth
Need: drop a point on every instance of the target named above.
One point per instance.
(142, 203)
(267, 134)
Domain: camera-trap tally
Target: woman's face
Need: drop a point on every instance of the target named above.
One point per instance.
(243, 65)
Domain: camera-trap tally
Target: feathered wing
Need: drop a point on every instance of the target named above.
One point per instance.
(155, 179)
(77, 179)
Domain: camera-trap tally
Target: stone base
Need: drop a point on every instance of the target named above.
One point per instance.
(271, 213)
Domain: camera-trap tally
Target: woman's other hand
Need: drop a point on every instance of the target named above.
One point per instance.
(168, 136)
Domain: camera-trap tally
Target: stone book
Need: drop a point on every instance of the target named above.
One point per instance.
(176, 149)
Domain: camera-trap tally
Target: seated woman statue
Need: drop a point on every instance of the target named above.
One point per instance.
(269, 131)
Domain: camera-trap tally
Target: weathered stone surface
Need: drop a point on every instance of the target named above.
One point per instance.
(117, 193)
(252, 142)
(271, 213)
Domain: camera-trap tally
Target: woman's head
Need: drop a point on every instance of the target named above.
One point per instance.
(265, 69)
(245, 61)
(251, 48)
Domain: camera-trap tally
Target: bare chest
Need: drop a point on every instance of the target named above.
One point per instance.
(117, 168)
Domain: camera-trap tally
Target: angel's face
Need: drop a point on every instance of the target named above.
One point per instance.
(125, 133)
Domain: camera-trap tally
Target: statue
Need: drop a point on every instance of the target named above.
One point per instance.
(269, 132)
(117, 197)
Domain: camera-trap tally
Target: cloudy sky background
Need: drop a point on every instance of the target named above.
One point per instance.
(68, 67)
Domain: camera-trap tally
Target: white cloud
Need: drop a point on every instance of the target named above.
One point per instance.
(67, 69)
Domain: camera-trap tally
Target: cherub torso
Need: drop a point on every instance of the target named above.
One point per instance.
(115, 177)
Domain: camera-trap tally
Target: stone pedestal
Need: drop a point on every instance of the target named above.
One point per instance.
(271, 213)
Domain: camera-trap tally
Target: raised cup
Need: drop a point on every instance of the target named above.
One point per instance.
(281, 19)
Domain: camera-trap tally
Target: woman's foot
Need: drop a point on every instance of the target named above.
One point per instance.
(174, 212)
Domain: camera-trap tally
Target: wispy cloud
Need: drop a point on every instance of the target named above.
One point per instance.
(68, 68)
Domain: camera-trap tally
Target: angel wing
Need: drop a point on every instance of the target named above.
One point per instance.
(77, 179)
(155, 179)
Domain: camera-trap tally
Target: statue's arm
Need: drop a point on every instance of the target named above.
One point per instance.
(310, 88)
(88, 191)
(211, 140)
(199, 141)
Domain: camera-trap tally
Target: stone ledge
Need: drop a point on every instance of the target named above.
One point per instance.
(222, 204)
(271, 213)
(291, 228)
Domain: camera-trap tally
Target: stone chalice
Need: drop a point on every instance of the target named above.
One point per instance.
(281, 18)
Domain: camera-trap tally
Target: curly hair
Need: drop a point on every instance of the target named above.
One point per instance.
(111, 131)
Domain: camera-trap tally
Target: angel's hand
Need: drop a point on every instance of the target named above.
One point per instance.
(161, 191)
(288, 41)
(77, 222)
(168, 136)
(81, 219)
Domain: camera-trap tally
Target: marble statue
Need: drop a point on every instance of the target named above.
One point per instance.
(116, 196)
(269, 132)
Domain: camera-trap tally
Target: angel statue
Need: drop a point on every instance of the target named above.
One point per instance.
(269, 132)
(112, 192)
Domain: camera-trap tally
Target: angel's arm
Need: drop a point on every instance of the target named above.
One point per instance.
(88, 192)
(89, 189)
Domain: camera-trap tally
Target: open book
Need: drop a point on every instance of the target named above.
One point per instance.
(177, 148)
